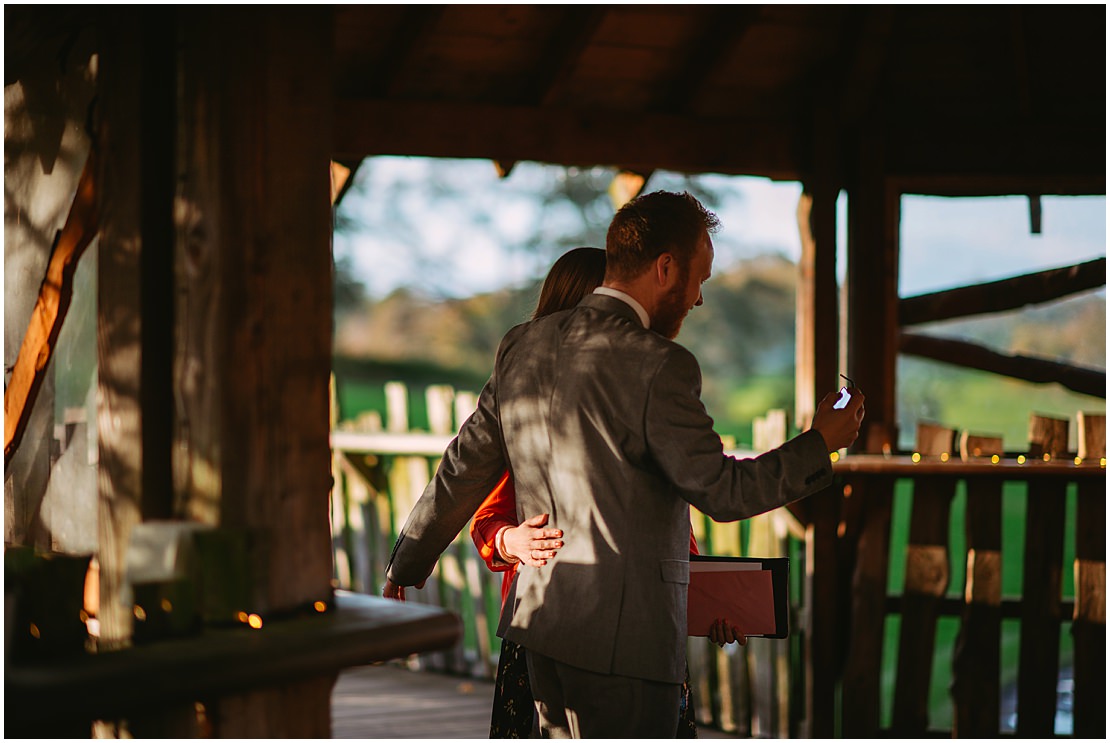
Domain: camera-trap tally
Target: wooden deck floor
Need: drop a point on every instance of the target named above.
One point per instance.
(387, 701)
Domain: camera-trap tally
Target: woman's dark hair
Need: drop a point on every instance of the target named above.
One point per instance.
(653, 224)
(577, 273)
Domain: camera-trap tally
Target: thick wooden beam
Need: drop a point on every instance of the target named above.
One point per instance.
(1002, 295)
(566, 136)
(253, 325)
(1035, 152)
(972, 356)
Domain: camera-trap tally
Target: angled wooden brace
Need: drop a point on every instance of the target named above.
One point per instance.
(50, 310)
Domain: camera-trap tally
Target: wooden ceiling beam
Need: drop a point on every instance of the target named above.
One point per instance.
(641, 143)
(561, 53)
(410, 35)
(721, 33)
(961, 161)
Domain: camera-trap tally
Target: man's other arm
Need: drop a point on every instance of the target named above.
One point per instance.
(682, 441)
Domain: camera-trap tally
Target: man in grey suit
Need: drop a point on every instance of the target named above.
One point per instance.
(596, 413)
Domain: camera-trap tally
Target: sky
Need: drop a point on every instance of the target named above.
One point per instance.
(474, 243)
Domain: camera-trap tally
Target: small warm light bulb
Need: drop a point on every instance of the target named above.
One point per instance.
(915, 457)
(139, 612)
(1047, 456)
(255, 621)
(944, 456)
(242, 617)
(320, 606)
(35, 631)
(1078, 461)
(834, 456)
(994, 459)
(167, 606)
(1021, 459)
(1102, 462)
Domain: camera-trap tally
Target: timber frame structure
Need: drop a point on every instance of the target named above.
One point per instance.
(214, 127)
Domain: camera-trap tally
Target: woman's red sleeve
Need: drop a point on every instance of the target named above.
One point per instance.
(497, 510)
(693, 543)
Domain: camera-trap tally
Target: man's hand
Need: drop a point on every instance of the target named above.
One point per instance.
(531, 543)
(723, 632)
(839, 428)
(392, 591)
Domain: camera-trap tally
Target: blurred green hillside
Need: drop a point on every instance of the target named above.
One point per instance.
(743, 336)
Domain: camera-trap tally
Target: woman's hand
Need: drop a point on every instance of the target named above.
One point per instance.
(530, 543)
(723, 632)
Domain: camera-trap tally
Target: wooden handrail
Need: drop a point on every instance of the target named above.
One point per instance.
(358, 630)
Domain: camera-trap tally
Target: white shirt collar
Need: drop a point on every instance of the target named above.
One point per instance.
(640, 311)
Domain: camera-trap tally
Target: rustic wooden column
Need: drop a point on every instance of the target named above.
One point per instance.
(873, 222)
(816, 360)
(253, 328)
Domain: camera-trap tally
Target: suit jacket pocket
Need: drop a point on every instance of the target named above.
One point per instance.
(675, 571)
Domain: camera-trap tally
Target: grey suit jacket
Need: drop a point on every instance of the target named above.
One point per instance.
(601, 425)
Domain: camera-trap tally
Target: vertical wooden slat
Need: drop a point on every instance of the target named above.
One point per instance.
(863, 664)
(1038, 665)
(927, 575)
(975, 665)
(1089, 621)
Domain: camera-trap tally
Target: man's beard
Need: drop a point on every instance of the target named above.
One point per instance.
(671, 311)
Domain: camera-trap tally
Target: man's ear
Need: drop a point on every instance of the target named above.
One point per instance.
(666, 270)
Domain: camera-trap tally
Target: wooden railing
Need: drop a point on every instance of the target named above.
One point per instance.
(878, 584)
(379, 474)
(984, 550)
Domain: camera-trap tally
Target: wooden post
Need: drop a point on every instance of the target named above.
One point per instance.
(817, 336)
(863, 658)
(253, 319)
(823, 640)
(873, 249)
